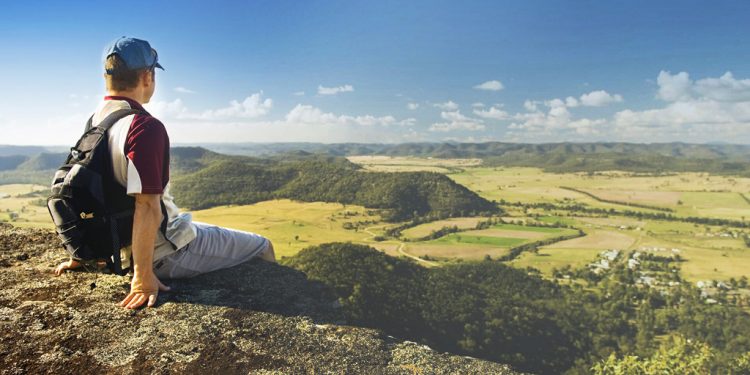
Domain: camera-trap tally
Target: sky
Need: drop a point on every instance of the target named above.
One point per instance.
(390, 71)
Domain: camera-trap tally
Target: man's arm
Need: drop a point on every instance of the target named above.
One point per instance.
(145, 286)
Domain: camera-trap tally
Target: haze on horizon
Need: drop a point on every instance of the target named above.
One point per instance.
(389, 72)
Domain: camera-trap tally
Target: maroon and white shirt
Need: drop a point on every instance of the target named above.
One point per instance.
(139, 145)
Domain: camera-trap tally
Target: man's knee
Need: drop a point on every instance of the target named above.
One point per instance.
(268, 253)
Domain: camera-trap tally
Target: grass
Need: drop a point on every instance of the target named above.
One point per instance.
(295, 225)
(23, 209)
(291, 225)
(425, 229)
(548, 258)
(466, 251)
(466, 239)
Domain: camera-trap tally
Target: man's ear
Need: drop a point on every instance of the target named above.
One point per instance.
(147, 78)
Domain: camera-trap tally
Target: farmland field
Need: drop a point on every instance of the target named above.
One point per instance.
(708, 251)
(23, 210)
(410, 164)
(423, 230)
(291, 225)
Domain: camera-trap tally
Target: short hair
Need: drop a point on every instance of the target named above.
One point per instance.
(117, 75)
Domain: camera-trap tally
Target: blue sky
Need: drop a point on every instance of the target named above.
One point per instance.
(388, 71)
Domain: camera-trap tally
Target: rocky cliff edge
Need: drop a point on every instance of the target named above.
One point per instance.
(257, 318)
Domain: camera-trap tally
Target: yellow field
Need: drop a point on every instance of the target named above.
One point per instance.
(597, 239)
(655, 198)
(291, 225)
(463, 251)
(411, 164)
(688, 194)
(423, 230)
(294, 225)
(549, 258)
(24, 213)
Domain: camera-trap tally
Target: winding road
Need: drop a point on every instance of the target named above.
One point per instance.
(400, 248)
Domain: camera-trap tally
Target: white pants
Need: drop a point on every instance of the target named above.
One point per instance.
(213, 249)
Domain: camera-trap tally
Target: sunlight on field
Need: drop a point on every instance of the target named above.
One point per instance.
(469, 251)
(655, 198)
(411, 164)
(425, 229)
(291, 225)
(688, 194)
(475, 244)
(23, 211)
(597, 239)
(549, 258)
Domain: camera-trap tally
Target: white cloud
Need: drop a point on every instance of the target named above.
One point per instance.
(253, 106)
(557, 123)
(708, 109)
(299, 93)
(571, 102)
(493, 85)
(309, 115)
(412, 106)
(599, 98)
(492, 113)
(456, 121)
(724, 89)
(447, 106)
(163, 109)
(183, 90)
(334, 90)
(673, 87)
(477, 105)
(531, 105)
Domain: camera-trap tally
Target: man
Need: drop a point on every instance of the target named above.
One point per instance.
(139, 147)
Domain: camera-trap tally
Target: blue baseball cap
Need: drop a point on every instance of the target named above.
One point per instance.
(136, 53)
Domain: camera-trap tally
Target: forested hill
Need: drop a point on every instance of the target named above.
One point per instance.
(237, 180)
(492, 311)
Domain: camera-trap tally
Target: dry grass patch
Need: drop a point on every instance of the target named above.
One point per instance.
(599, 239)
(425, 229)
(464, 251)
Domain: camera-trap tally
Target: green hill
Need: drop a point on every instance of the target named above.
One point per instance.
(327, 179)
(43, 162)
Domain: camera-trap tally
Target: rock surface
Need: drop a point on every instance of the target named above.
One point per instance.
(257, 318)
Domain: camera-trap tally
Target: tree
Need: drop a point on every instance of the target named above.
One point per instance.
(680, 356)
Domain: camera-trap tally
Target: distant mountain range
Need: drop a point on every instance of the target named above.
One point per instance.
(20, 163)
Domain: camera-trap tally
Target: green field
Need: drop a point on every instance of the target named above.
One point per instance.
(709, 252)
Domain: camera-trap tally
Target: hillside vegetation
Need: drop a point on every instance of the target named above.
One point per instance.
(327, 179)
(490, 310)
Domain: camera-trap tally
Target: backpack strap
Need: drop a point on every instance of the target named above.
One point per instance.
(115, 116)
(88, 123)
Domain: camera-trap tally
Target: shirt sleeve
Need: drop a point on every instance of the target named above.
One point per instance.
(147, 151)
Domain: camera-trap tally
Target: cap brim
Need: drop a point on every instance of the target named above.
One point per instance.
(159, 66)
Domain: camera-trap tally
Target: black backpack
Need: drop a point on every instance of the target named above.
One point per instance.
(93, 214)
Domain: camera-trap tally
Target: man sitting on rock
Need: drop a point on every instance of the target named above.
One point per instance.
(139, 147)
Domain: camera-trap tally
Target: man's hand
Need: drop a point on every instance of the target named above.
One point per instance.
(143, 288)
(68, 265)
